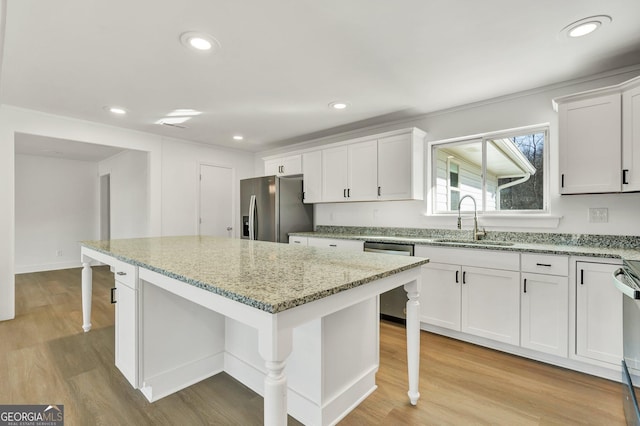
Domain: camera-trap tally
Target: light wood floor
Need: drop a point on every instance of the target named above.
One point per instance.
(45, 358)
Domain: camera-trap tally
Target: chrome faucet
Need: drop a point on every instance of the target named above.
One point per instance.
(476, 234)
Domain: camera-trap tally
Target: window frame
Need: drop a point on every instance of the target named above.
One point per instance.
(483, 139)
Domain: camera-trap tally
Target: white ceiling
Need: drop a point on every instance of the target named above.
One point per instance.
(283, 61)
(27, 144)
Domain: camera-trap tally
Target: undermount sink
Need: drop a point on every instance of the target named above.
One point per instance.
(478, 242)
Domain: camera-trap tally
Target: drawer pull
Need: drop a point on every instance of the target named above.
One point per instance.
(333, 245)
(121, 273)
(544, 264)
(296, 242)
(113, 298)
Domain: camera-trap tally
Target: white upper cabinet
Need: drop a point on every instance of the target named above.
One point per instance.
(335, 175)
(363, 171)
(312, 171)
(400, 168)
(590, 145)
(631, 139)
(283, 166)
(349, 172)
(599, 139)
(387, 166)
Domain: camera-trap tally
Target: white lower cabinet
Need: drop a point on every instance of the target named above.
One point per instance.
(340, 244)
(491, 304)
(598, 313)
(475, 300)
(545, 313)
(544, 303)
(440, 295)
(294, 239)
(126, 322)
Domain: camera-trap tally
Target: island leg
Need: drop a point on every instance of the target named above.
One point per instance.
(413, 339)
(274, 347)
(87, 289)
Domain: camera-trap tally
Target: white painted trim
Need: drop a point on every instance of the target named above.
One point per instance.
(164, 384)
(346, 140)
(26, 269)
(611, 372)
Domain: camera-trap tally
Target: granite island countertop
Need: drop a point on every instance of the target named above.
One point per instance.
(272, 277)
(614, 247)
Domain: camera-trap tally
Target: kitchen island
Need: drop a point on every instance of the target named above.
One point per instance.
(299, 327)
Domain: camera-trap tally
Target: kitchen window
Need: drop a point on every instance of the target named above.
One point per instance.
(503, 171)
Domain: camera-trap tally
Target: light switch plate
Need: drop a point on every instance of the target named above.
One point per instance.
(599, 215)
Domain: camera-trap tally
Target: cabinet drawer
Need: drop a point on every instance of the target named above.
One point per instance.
(301, 241)
(353, 245)
(480, 258)
(545, 264)
(124, 273)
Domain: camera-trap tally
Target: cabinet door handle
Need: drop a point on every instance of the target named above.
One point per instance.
(282, 169)
(464, 277)
(581, 276)
(348, 192)
(457, 273)
(544, 264)
(562, 181)
(525, 285)
(379, 191)
(624, 176)
(344, 193)
(113, 296)
(121, 273)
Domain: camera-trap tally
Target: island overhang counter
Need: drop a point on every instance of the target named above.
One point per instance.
(298, 325)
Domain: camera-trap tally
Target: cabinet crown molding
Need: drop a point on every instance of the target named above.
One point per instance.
(616, 88)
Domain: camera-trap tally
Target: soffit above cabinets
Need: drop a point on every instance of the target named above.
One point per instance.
(278, 65)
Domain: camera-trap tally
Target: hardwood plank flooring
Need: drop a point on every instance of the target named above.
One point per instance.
(46, 358)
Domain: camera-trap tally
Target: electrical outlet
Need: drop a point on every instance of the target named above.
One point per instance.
(59, 253)
(599, 215)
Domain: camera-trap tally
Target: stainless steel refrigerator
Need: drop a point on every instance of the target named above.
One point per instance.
(272, 206)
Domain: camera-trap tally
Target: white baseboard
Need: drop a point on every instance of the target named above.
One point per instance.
(27, 269)
(164, 384)
(610, 372)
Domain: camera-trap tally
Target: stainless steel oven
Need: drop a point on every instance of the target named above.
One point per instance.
(627, 280)
(392, 303)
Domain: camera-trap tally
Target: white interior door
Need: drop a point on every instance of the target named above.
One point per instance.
(216, 201)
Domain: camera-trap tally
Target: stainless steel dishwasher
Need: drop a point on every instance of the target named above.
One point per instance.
(393, 303)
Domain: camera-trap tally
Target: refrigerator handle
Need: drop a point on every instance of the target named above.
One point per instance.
(252, 217)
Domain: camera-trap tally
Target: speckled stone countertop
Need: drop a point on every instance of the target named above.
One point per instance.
(271, 277)
(604, 246)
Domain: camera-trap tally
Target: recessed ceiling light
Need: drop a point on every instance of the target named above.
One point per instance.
(338, 105)
(201, 42)
(585, 26)
(116, 110)
(238, 137)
